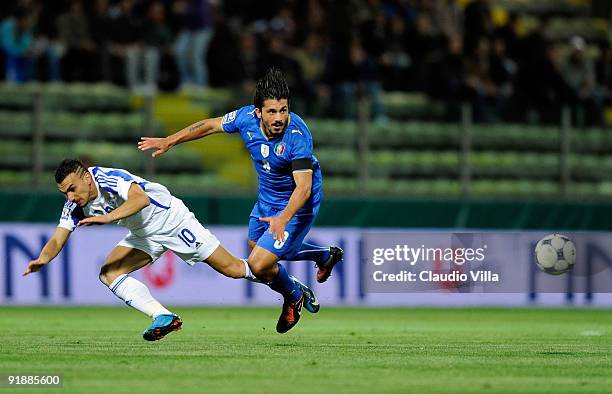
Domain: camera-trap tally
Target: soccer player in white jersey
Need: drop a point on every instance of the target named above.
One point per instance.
(157, 222)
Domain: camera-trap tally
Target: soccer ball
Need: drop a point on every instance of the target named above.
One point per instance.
(555, 254)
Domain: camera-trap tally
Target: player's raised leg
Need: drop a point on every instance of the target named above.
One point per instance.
(222, 261)
(318, 254)
(266, 267)
(311, 302)
(325, 257)
(115, 274)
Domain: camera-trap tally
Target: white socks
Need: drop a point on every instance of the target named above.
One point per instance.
(248, 274)
(136, 295)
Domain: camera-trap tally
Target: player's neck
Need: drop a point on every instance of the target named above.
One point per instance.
(268, 136)
(93, 192)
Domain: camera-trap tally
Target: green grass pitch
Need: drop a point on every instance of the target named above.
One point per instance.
(100, 350)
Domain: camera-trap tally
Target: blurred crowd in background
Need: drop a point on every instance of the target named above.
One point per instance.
(331, 52)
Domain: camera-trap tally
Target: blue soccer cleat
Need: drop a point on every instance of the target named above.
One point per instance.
(311, 302)
(162, 326)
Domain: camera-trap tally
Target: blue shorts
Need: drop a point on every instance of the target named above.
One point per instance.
(295, 232)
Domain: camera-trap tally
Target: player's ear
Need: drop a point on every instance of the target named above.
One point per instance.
(258, 112)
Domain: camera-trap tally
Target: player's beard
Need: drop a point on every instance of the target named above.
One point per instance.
(275, 129)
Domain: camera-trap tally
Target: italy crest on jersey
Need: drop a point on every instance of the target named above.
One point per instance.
(279, 149)
(265, 150)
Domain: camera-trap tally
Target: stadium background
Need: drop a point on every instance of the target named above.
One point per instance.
(443, 115)
(490, 115)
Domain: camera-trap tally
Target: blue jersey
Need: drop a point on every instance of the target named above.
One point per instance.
(273, 157)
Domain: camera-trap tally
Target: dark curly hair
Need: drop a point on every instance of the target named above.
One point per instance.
(273, 86)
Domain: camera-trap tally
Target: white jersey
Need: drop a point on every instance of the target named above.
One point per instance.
(113, 185)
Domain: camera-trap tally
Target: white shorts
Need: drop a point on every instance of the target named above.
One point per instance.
(189, 239)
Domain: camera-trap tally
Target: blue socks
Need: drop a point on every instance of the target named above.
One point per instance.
(285, 285)
(318, 254)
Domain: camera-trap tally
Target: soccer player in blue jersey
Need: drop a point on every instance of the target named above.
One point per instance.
(290, 192)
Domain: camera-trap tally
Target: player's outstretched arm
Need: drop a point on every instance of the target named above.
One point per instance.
(192, 132)
(137, 200)
(49, 251)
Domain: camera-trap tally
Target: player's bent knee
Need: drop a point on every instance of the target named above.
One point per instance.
(108, 274)
(105, 278)
(263, 264)
(262, 270)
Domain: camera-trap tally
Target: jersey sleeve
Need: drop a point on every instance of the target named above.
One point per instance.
(116, 182)
(301, 145)
(232, 121)
(123, 188)
(71, 214)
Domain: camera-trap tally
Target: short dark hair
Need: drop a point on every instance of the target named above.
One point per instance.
(67, 167)
(273, 86)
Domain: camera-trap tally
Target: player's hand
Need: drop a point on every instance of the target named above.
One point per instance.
(159, 144)
(277, 227)
(104, 219)
(33, 266)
